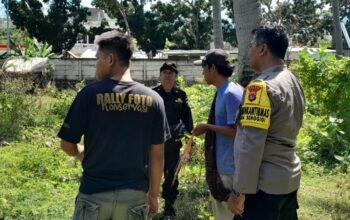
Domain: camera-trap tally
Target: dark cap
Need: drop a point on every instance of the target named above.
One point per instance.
(169, 65)
(218, 57)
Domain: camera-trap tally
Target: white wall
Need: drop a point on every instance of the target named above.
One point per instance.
(143, 70)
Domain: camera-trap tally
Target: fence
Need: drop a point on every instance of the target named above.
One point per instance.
(141, 69)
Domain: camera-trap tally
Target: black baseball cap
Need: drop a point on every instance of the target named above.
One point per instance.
(218, 57)
(169, 65)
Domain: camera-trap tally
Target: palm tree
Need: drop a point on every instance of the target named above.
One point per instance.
(247, 17)
(337, 30)
(217, 27)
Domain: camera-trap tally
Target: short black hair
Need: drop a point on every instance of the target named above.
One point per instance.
(226, 71)
(117, 42)
(274, 37)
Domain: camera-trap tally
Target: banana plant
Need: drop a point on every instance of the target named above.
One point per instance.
(31, 48)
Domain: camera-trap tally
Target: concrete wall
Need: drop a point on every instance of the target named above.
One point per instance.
(141, 70)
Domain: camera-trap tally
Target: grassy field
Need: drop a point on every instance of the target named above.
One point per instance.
(320, 197)
(38, 181)
(325, 197)
(41, 183)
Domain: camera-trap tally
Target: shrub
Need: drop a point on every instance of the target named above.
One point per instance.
(16, 107)
(326, 83)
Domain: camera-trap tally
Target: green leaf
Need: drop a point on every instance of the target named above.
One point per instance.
(339, 158)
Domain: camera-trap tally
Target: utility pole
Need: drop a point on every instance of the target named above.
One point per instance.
(8, 25)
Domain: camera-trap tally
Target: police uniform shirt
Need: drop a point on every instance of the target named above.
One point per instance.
(270, 119)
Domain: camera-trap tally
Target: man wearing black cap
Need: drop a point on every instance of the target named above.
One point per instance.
(220, 130)
(179, 117)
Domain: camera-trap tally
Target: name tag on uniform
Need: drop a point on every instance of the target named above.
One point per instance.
(256, 109)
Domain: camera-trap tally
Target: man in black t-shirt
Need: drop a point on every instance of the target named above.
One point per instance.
(179, 117)
(124, 126)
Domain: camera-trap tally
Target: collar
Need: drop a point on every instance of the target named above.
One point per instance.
(163, 90)
(224, 85)
(266, 73)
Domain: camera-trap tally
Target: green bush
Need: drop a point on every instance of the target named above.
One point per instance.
(37, 181)
(64, 101)
(326, 82)
(322, 145)
(17, 109)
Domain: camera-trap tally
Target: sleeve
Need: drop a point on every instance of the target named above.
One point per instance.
(186, 116)
(251, 137)
(75, 123)
(160, 128)
(232, 103)
(248, 153)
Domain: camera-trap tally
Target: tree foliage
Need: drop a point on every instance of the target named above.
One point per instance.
(59, 27)
(192, 26)
(305, 20)
(173, 24)
(326, 81)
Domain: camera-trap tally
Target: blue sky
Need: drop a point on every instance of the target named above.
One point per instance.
(2, 10)
(86, 3)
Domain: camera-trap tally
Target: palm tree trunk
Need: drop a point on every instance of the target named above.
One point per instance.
(217, 26)
(247, 17)
(337, 30)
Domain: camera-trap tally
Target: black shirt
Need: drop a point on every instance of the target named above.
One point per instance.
(176, 107)
(120, 121)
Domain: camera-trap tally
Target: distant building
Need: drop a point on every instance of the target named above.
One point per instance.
(3, 22)
(96, 17)
(85, 48)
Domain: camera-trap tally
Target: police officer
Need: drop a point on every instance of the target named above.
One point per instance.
(179, 117)
(267, 170)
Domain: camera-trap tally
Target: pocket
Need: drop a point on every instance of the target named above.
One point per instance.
(85, 210)
(138, 212)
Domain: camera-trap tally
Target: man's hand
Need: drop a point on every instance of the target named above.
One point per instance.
(80, 154)
(73, 150)
(236, 204)
(153, 205)
(155, 177)
(201, 128)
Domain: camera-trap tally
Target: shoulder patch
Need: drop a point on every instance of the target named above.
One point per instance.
(256, 109)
